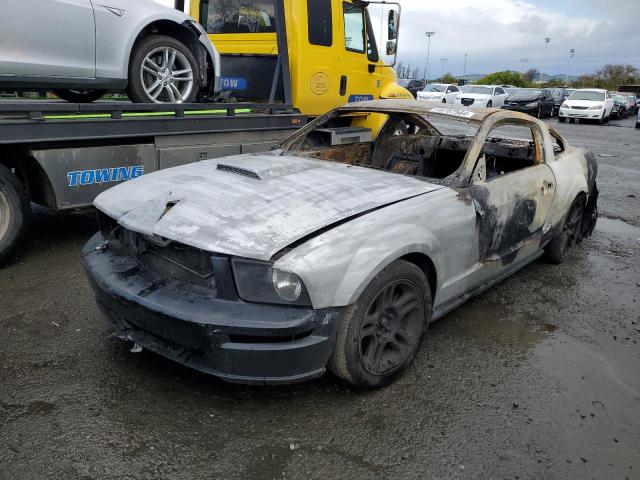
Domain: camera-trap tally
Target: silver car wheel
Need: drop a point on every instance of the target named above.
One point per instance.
(5, 215)
(166, 75)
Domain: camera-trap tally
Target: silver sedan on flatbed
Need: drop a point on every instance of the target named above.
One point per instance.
(339, 248)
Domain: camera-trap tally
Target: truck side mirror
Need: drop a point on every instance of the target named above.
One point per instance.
(393, 26)
(392, 47)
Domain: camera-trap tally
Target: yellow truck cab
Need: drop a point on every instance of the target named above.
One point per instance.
(333, 56)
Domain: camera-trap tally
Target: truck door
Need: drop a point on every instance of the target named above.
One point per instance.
(47, 38)
(359, 77)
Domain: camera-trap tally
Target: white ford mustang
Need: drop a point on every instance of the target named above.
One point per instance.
(338, 249)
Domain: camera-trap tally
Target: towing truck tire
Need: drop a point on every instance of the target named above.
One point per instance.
(79, 96)
(15, 212)
(158, 78)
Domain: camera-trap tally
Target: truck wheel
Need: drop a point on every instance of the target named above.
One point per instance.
(15, 212)
(558, 248)
(380, 334)
(79, 96)
(162, 70)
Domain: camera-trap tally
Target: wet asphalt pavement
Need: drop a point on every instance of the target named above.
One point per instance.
(538, 377)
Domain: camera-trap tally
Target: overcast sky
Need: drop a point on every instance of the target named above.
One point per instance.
(497, 34)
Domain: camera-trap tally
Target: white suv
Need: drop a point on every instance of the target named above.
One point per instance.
(80, 49)
(587, 104)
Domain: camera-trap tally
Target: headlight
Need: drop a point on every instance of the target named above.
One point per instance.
(532, 104)
(564, 105)
(258, 281)
(287, 285)
(595, 107)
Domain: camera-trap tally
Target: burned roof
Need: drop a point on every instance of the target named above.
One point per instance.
(422, 107)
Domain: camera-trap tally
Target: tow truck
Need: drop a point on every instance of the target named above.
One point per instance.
(62, 155)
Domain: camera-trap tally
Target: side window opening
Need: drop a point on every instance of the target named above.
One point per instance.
(511, 147)
(558, 143)
(372, 47)
(320, 22)
(354, 32)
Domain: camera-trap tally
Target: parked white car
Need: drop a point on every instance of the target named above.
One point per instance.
(482, 96)
(587, 104)
(439, 92)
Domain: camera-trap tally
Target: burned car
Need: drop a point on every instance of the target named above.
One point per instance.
(338, 249)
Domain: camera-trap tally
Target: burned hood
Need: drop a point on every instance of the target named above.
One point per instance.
(252, 205)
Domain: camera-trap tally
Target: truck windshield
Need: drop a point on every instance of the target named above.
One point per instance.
(238, 16)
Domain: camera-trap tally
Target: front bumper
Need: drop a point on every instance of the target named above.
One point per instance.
(521, 108)
(586, 114)
(237, 341)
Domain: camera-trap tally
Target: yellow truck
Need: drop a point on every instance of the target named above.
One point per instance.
(326, 50)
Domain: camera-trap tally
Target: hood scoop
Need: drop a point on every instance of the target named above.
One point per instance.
(255, 167)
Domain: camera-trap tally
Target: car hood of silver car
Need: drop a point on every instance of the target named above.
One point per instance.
(252, 205)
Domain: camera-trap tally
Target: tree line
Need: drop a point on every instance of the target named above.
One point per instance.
(610, 76)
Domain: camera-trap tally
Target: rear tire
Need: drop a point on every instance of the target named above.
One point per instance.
(380, 334)
(158, 78)
(571, 233)
(79, 96)
(15, 213)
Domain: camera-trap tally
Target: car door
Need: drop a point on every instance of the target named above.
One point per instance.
(549, 102)
(451, 93)
(358, 80)
(47, 38)
(500, 97)
(513, 200)
(608, 104)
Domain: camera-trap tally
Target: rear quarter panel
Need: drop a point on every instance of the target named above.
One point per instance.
(575, 171)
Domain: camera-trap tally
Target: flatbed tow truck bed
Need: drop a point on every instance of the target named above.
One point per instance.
(62, 155)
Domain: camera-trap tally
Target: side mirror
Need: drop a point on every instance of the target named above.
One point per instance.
(392, 25)
(392, 47)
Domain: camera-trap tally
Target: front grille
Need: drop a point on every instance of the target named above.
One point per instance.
(171, 259)
(467, 101)
(579, 108)
(179, 261)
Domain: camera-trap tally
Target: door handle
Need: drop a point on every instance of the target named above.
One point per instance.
(343, 85)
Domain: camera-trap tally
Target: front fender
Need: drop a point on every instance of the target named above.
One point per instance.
(336, 266)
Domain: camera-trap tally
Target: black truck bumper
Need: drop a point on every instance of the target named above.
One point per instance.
(236, 341)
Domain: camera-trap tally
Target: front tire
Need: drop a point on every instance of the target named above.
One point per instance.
(562, 119)
(162, 70)
(489, 104)
(379, 335)
(15, 213)
(79, 96)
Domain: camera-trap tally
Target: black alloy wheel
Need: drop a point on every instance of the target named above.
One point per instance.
(569, 236)
(389, 329)
(379, 335)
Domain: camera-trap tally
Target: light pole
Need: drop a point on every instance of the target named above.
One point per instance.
(572, 53)
(546, 44)
(464, 70)
(426, 70)
(442, 62)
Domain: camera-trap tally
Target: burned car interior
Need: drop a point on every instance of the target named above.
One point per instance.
(409, 144)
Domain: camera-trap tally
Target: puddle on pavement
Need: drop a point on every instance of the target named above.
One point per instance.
(490, 323)
(618, 228)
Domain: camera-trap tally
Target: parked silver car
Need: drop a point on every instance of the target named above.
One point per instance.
(340, 248)
(80, 49)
